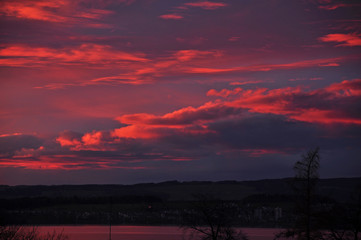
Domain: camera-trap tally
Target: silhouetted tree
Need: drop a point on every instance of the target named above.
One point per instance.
(306, 177)
(211, 219)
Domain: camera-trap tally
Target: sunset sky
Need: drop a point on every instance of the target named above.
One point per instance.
(130, 91)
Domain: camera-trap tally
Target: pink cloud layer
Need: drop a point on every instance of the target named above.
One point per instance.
(345, 40)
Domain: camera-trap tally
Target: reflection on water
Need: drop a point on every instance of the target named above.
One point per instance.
(142, 232)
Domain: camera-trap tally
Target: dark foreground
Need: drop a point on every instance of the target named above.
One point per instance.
(264, 203)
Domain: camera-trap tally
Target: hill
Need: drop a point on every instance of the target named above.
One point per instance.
(160, 203)
(337, 188)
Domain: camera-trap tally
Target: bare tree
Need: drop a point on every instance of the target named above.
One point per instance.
(305, 181)
(307, 177)
(211, 219)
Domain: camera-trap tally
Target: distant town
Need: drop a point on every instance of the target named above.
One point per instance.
(263, 203)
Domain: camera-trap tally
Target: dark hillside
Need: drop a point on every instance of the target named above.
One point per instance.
(159, 203)
(337, 188)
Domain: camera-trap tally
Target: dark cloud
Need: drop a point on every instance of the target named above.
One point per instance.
(266, 132)
(10, 144)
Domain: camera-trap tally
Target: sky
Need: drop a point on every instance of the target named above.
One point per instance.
(131, 91)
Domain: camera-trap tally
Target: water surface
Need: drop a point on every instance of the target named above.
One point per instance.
(142, 232)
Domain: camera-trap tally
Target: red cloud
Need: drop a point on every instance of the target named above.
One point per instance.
(137, 131)
(145, 131)
(171, 16)
(135, 72)
(187, 120)
(93, 138)
(37, 10)
(69, 139)
(10, 134)
(346, 88)
(328, 62)
(347, 40)
(94, 150)
(187, 116)
(64, 142)
(337, 103)
(112, 80)
(202, 4)
(293, 103)
(207, 5)
(186, 55)
(93, 141)
(247, 82)
(224, 93)
(337, 5)
(306, 106)
(138, 69)
(63, 162)
(64, 11)
(23, 55)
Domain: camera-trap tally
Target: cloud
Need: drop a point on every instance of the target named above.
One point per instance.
(136, 68)
(328, 62)
(37, 10)
(316, 78)
(171, 16)
(178, 63)
(63, 162)
(182, 117)
(247, 82)
(264, 134)
(292, 102)
(89, 54)
(69, 138)
(141, 70)
(201, 4)
(346, 88)
(187, 55)
(152, 76)
(346, 40)
(75, 151)
(224, 92)
(110, 81)
(244, 123)
(12, 144)
(207, 5)
(305, 106)
(57, 11)
(337, 5)
(185, 121)
(91, 141)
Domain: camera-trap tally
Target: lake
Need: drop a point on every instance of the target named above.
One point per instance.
(142, 232)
